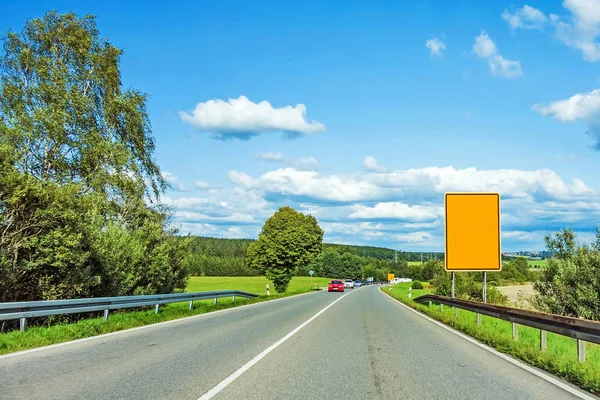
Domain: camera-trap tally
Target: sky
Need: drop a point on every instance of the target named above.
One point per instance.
(364, 113)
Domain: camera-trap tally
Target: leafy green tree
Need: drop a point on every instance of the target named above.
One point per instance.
(288, 240)
(77, 171)
(430, 269)
(570, 285)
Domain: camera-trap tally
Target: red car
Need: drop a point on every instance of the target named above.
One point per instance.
(336, 286)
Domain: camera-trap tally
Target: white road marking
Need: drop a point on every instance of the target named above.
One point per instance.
(210, 313)
(543, 375)
(225, 382)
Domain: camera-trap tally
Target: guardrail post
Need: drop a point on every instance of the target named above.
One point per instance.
(581, 350)
(105, 315)
(543, 340)
(156, 309)
(22, 324)
(515, 331)
(191, 304)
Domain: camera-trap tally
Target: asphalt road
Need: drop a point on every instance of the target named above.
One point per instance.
(365, 346)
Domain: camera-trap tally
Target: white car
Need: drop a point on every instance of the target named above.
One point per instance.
(349, 283)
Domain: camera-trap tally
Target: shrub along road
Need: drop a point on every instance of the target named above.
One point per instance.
(359, 344)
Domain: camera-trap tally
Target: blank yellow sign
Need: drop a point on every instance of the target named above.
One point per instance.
(472, 230)
(390, 277)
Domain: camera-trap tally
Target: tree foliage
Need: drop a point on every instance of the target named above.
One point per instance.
(570, 285)
(288, 240)
(76, 171)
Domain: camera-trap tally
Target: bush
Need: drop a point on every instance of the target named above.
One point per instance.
(417, 285)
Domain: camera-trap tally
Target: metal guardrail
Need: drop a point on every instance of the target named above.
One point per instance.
(29, 309)
(581, 329)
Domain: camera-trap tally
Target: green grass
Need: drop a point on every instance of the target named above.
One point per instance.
(560, 358)
(38, 336)
(537, 264)
(252, 284)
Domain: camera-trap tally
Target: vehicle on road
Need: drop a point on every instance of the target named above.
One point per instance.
(358, 283)
(336, 286)
(349, 283)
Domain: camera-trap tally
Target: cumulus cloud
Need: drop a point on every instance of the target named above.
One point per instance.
(173, 182)
(435, 46)
(242, 119)
(397, 208)
(581, 28)
(202, 185)
(578, 27)
(423, 183)
(370, 164)
(580, 106)
(526, 17)
(486, 49)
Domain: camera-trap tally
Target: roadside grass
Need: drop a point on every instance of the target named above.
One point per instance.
(560, 358)
(38, 336)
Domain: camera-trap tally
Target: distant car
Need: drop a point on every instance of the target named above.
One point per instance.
(358, 283)
(336, 286)
(349, 283)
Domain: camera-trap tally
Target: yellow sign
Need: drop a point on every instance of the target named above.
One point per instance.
(472, 231)
(390, 277)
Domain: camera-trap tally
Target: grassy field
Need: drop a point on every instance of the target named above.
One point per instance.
(537, 264)
(560, 357)
(252, 284)
(38, 336)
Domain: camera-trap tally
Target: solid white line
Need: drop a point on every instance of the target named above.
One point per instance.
(208, 314)
(225, 382)
(543, 375)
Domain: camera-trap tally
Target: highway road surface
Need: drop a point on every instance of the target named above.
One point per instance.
(360, 344)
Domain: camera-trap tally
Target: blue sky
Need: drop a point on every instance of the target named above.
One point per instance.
(501, 99)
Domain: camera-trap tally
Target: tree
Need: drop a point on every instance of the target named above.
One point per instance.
(77, 171)
(288, 240)
(569, 285)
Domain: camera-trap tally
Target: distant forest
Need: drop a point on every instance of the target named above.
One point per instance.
(226, 257)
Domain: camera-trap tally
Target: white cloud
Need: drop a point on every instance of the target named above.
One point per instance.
(370, 164)
(274, 156)
(301, 164)
(240, 178)
(580, 106)
(241, 118)
(405, 183)
(578, 28)
(414, 237)
(397, 208)
(436, 46)
(486, 49)
(525, 17)
(202, 185)
(173, 181)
